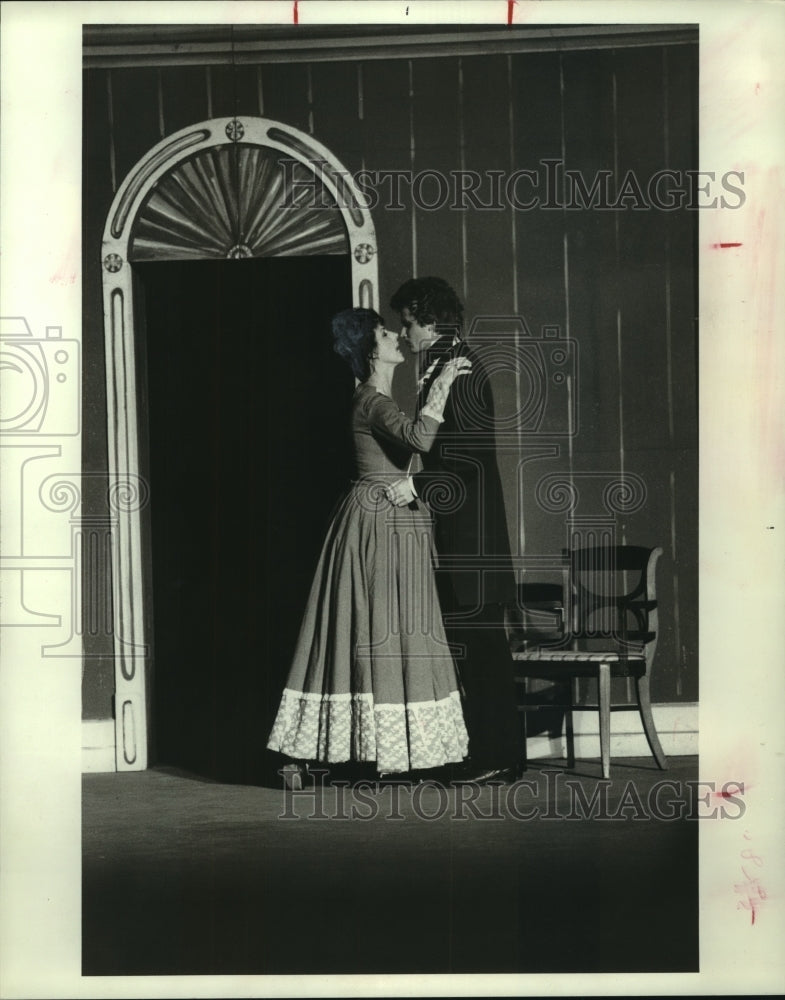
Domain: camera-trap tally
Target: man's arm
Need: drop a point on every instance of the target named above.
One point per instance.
(443, 470)
(403, 491)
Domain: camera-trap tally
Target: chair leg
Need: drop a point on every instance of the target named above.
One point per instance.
(644, 706)
(604, 683)
(569, 729)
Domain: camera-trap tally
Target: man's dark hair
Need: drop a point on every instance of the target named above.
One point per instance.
(430, 300)
(354, 335)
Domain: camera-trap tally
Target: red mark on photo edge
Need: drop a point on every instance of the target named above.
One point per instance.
(296, 14)
(724, 246)
(510, 5)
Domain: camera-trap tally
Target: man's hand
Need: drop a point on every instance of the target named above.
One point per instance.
(440, 387)
(401, 492)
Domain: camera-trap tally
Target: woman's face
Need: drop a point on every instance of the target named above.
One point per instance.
(387, 349)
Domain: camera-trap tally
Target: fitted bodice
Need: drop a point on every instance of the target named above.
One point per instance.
(384, 437)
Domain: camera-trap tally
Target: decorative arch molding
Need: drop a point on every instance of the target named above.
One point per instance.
(223, 188)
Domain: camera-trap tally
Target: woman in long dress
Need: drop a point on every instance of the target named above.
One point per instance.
(372, 678)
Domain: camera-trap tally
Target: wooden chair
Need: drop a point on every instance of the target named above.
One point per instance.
(606, 627)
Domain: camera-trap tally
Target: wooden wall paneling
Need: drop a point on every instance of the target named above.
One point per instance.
(684, 470)
(486, 135)
(184, 97)
(680, 77)
(98, 684)
(336, 111)
(490, 251)
(436, 238)
(234, 90)
(285, 92)
(592, 250)
(682, 240)
(96, 155)
(592, 473)
(684, 451)
(535, 91)
(680, 72)
(97, 195)
(135, 112)
(646, 390)
(386, 139)
(680, 69)
(436, 129)
(97, 192)
(537, 136)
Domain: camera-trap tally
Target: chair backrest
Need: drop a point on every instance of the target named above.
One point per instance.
(613, 596)
(537, 617)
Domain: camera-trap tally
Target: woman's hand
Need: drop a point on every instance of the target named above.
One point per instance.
(437, 394)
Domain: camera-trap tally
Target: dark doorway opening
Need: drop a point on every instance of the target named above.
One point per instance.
(248, 451)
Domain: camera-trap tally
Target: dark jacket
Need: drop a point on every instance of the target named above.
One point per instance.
(460, 482)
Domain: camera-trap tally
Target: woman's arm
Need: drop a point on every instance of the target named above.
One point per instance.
(418, 435)
(386, 419)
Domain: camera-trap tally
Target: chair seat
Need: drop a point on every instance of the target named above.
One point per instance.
(573, 656)
(546, 664)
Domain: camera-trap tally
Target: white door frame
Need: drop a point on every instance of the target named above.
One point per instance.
(130, 629)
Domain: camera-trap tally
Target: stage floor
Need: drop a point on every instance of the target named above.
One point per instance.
(183, 875)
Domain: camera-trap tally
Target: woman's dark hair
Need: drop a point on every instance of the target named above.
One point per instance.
(354, 333)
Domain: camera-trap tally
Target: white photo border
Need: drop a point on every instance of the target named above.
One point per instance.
(742, 461)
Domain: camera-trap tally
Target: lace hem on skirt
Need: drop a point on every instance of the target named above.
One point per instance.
(340, 727)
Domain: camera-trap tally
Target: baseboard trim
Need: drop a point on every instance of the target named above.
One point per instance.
(98, 745)
(676, 725)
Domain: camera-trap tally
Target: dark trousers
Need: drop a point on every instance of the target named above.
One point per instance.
(487, 674)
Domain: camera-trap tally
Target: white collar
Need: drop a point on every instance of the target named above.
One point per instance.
(429, 370)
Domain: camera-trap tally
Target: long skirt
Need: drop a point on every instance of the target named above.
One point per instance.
(372, 678)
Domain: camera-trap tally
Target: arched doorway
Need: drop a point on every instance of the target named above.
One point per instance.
(234, 189)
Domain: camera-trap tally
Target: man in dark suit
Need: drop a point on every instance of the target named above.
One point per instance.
(460, 482)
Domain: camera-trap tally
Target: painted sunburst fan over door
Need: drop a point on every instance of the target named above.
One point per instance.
(238, 201)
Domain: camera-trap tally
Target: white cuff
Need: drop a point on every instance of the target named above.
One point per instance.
(437, 415)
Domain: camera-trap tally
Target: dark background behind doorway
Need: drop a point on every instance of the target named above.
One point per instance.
(249, 449)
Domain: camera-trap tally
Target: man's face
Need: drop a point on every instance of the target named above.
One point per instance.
(419, 337)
